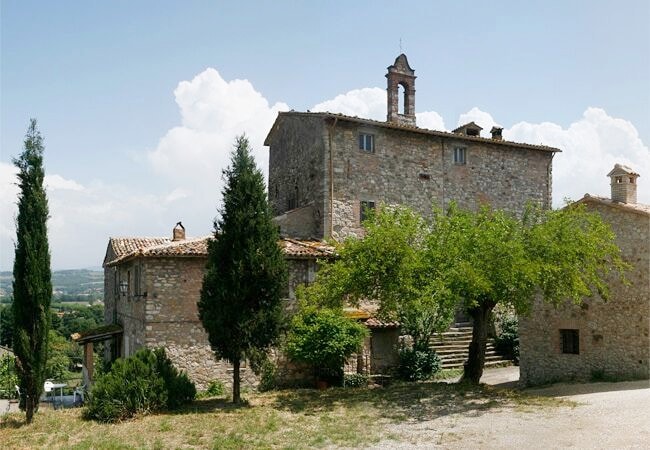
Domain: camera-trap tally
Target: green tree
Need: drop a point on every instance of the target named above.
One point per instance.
(490, 257)
(32, 284)
(324, 338)
(389, 265)
(6, 326)
(241, 297)
(418, 269)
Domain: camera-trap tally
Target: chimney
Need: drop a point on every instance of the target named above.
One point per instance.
(623, 183)
(179, 232)
(496, 133)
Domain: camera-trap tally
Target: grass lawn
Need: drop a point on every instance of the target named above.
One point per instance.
(285, 419)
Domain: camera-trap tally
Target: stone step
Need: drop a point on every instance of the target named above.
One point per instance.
(449, 356)
(462, 359)
(456, 348)
(459, 365)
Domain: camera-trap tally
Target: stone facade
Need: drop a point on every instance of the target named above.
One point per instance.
(613, 337)
(323, 167)
(158, 308)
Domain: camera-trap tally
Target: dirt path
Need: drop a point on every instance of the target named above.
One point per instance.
(607, 416)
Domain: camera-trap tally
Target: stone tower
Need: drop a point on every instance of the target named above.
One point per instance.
(623, 182)
(401, 74)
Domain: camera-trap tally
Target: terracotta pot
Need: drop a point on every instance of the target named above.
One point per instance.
(321, 384)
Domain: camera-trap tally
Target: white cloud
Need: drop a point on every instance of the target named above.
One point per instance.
(53, 182)
(481, 118)
(370, 103)
(431, 120)
(213, 112)
(590, 148)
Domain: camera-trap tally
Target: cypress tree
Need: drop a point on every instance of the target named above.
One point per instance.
(32, 277)
(241, 297)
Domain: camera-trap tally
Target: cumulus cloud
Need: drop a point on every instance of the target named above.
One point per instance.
(481, 118)
(83, 217)
(590, 147)
(370, 103)
(213, 112)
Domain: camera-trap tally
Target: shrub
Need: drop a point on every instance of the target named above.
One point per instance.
(417, 364)
(507, 340)
(268, 377)
(215, 389)
(8, 377)
(143, 383)
(355, 380)
(324, 338)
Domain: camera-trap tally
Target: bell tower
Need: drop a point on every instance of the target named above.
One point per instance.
(401, 75)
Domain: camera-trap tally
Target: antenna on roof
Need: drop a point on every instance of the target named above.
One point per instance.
(400, 46)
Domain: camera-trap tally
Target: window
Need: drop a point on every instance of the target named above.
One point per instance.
(367, 142)
(366, 208)
(570, 341)
(459, 155)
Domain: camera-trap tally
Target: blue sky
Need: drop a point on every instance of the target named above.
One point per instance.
(121, 91)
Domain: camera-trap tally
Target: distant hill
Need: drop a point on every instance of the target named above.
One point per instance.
(77, 285)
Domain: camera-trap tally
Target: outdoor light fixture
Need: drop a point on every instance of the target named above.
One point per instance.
(124, 288)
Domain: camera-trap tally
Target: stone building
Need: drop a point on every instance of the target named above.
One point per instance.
(151, 290)
(325, 168)
(598, 339)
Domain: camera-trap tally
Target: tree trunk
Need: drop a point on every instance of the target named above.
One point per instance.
(473, 369)
(236, 396)
(29, 410)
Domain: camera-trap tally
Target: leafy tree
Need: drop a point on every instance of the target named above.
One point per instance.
(241, 298)
(324, 338)
(6, 326)
(490, 257)
(389, 265)
(32, 284)
(417, 269)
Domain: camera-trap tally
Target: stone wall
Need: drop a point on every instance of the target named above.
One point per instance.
(172, 320)
(406, 167)
(417, 170)
(613, 336)
(296, 177)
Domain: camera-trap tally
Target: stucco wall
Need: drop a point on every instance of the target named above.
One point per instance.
(613, 336)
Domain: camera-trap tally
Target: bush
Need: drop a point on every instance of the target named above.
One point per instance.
(8, 377)
(215, 389)
(268, 377)
(507, 340)
(324, 338)
(417, 364)
(355, 380)
(145, 382)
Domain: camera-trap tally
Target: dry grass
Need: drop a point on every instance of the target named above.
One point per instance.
(286, 419)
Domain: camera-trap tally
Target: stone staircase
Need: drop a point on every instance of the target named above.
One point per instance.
(451, 346)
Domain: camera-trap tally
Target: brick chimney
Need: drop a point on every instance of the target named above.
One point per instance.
(496, 133)
(623, 183)
(179, 232)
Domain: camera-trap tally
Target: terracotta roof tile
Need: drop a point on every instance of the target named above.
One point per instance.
(399, 126)
(130, 248)
(633, 207)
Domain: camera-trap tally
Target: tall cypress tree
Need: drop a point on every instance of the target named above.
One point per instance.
(241, 298)
(32, 277)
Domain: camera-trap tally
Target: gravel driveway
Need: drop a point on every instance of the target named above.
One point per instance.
(607, 416)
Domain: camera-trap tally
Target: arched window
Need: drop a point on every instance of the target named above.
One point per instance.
(401, 98)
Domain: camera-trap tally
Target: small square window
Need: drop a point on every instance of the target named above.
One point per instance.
(459, 155)
(570, 341)
(366, 208)
(367, 142)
